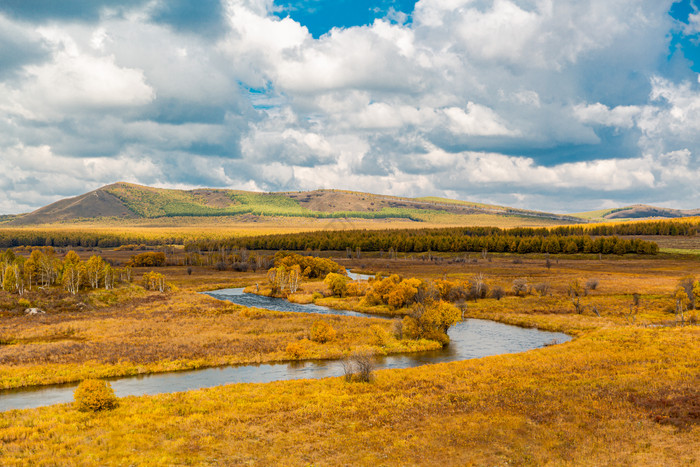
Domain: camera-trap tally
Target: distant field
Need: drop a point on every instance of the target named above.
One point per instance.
(213, 227)
(668, 243)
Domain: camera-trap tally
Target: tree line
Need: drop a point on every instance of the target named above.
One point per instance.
(401, 240)
(44, 268)
(10, 238)
(438, 240)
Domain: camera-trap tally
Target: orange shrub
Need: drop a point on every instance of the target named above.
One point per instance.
(322, 332)
(297, 349)
(93, 395)
(149, 259)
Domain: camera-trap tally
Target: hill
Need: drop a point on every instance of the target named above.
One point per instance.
(6, 218)
(637, 211)
(133, 202)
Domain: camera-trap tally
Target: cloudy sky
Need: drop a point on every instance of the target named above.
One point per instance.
(558, 105)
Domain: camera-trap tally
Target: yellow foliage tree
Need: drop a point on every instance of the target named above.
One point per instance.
(337, 283)
(431, 321)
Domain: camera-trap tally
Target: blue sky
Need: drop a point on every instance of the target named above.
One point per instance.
(557, 105)
(320, 16)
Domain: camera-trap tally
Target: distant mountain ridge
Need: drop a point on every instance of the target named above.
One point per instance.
(130, 201)
(638, 211)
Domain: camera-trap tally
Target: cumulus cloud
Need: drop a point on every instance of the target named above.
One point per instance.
(599, 114)
(555, 105)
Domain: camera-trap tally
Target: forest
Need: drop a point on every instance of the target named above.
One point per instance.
(437, 240)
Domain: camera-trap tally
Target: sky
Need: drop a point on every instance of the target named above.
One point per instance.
(553, 105)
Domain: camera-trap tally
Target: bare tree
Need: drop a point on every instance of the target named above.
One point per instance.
(359, 366)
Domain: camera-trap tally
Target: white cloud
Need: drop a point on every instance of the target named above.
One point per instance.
(74, 81)
(476, 121)
(474, 98)
(622, 116)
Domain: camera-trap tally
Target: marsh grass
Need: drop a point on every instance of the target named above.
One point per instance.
(620, 393)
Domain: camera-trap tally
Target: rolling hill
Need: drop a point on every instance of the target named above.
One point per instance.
(129, 201)
(638, 211)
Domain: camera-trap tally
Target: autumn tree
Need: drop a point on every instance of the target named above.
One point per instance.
(154, 281)
(431, 321)
(337, 283)
(94, 270)
(682, 302)
(73, 277)
(10, 280)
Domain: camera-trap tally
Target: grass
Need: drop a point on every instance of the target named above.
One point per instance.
(680, 251)
(150, 202)
(620, 393)
(609, 398)
(129, 331)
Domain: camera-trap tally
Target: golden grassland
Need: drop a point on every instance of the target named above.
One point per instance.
(617, 397)
(129, 331)
(191, 228)
(625, 391)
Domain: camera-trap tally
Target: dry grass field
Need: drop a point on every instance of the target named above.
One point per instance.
(190, 228)
(623, 392)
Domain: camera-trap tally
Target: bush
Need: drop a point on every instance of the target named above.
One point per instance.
(359, 366)
(379, 336)
(497, 292)
(93, 395)
(542, 288)
(337, 283)
(150, 259)
(322, 332)
(297, 349)
(316, 295)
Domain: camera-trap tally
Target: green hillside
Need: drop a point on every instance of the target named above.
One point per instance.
(131, 201)
(151, 202)
(597, 215)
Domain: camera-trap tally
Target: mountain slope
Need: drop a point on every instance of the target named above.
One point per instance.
(95, 204)
(130, 201)
(638, 211)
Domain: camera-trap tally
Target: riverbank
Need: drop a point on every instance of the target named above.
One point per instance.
(176, 331)
(616, 396)
(622, 393)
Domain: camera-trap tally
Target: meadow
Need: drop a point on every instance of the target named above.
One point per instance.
(624, 391)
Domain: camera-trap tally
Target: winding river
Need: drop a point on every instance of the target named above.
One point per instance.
(472, 338)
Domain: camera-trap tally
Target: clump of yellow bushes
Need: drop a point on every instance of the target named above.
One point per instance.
(322, 332)
(93, 395)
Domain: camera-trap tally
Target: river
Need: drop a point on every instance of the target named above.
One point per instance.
(472, 338)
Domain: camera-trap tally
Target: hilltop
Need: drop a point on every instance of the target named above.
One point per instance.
(131, 202)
